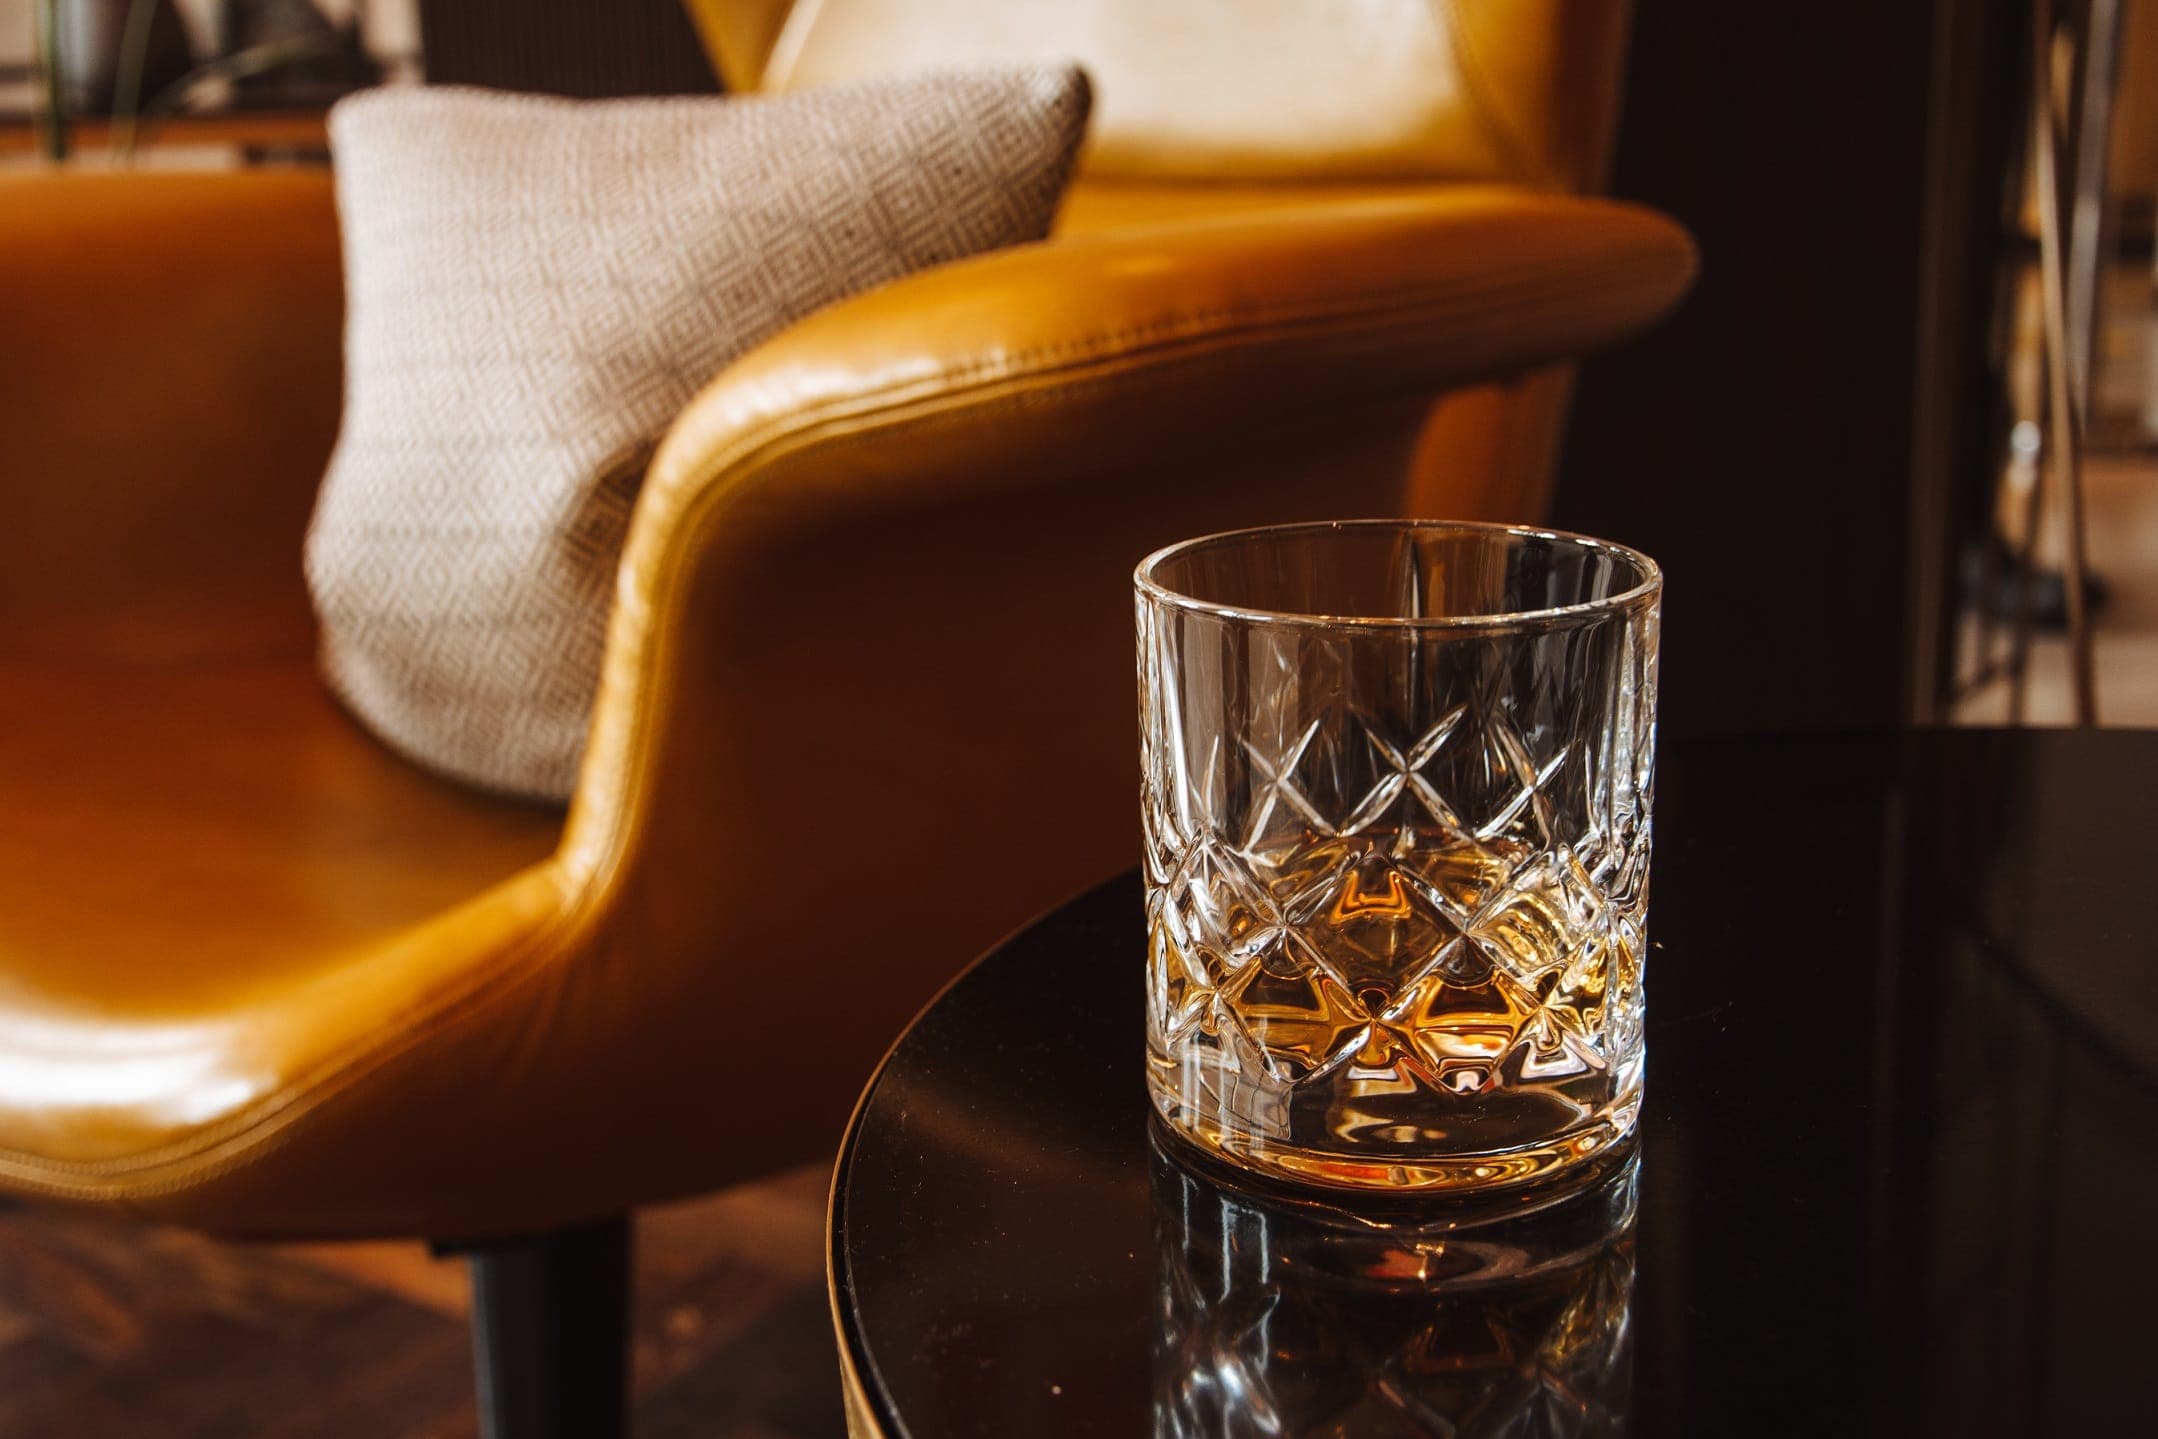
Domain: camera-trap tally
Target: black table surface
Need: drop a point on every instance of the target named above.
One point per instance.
(1898, 1170)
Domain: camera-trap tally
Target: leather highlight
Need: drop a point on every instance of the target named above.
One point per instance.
(1522, 91)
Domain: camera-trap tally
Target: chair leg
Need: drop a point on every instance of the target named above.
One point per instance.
(550, 1333)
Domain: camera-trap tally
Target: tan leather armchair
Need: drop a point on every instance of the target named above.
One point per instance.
(868, 695)
(1207, 108)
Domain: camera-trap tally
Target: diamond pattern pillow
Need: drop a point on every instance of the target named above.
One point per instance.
(534, 288)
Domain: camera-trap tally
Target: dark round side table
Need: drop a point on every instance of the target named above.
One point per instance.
(1898, 1170)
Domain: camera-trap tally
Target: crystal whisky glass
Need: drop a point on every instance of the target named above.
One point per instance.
(1396, 793)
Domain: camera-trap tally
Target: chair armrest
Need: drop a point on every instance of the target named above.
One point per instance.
(868, 693)
(169, 391)
(1428, 292)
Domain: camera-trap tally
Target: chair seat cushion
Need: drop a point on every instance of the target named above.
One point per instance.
(212, 885)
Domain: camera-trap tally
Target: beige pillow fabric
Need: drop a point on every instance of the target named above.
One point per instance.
(535, 287)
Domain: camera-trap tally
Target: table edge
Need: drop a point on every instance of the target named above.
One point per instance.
(870, 1413)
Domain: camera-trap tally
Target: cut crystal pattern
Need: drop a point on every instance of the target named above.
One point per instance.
(1398, 884)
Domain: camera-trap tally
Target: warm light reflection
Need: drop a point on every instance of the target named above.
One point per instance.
(1285, 1317)
(174, 1074)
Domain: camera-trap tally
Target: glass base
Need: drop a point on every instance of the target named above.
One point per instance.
(1560, 1165)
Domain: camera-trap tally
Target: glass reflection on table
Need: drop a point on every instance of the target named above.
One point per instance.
(1280, 1316)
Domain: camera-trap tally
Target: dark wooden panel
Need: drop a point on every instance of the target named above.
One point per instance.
(1760, 443)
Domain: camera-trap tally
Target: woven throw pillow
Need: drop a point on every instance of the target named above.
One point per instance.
(534, 288)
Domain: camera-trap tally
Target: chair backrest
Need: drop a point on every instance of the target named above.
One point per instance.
(1521, 91)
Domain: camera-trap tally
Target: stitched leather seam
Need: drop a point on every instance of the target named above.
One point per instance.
(319, 1080)
(1513, 149)
(1004, 382)
(787, 45)
(1232, 320)
(1399, 309)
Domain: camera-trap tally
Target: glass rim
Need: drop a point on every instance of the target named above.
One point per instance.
(1645, 591)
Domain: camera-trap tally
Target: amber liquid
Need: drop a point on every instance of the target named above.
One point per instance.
(1399, 1009)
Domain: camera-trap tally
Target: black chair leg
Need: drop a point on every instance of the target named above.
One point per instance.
(550, 1333)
